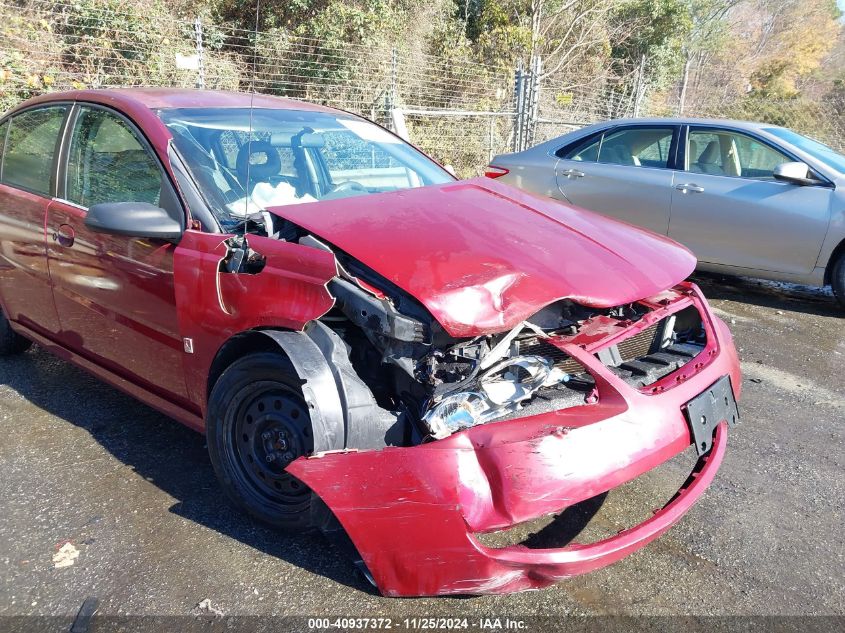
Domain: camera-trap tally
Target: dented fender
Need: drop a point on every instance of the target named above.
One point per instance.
(213, 306)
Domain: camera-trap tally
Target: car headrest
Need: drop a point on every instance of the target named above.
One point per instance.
(710, 155)
(261, 160)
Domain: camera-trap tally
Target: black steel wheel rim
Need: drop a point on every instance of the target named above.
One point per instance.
(269, 428)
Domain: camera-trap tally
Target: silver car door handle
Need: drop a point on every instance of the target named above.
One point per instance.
(689, 187)
(572, 173)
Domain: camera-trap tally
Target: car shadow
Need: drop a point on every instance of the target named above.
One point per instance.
(770, 294)
(167, 454)
(566, 526)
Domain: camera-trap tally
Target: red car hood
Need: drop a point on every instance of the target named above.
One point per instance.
(483, 256)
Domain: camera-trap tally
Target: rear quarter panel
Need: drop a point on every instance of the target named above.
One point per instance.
(532, 170)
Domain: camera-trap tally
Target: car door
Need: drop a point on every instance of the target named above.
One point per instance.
(28, 142)
(114, 294)
(623, 172)
(729, 210)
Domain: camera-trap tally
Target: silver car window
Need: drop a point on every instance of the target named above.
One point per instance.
(817, 150)
(637, 147)
(725, 153)
(587, 152)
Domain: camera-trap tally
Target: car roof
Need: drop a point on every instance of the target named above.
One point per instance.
(166, 98)
(746, 125)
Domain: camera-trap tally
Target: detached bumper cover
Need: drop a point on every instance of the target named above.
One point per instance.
(412, 512)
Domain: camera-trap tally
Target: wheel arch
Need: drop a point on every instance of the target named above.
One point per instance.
(344, 412)
(235, 348)
(837, 253)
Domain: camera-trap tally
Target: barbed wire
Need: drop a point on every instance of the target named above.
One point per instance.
(461, 111)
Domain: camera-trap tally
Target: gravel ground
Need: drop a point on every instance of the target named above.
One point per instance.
(134, 494)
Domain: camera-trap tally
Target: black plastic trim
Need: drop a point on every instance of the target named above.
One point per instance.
(133, 219)
(191, 193)
(712, 406)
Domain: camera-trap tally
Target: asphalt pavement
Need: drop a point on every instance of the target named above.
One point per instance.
(101, 496)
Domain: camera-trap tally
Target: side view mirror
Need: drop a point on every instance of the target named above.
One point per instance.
(135, 219)
(796, 173)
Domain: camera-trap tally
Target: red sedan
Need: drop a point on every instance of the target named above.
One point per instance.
(363, 339)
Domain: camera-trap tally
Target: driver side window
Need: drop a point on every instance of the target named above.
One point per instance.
(108, 163)
(724, 153)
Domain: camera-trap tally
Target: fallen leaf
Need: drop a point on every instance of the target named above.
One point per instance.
(205, 605)
(66, 556)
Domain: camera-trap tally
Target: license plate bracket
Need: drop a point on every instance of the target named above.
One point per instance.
(708, 409)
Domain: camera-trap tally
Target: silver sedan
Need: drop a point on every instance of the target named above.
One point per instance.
(747, 198)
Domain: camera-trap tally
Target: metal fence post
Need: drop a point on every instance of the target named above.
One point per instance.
(490, 149)
(640, 85)
(200, 61)
(533, 102)
(519, 107)
(392, 95)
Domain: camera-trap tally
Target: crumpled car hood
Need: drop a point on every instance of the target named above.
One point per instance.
(483, 256)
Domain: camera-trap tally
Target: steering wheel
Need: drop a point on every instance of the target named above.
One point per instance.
(346, 187)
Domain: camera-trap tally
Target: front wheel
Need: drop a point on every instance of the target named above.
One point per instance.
(258, 423)
(10, 341)
(837, 280)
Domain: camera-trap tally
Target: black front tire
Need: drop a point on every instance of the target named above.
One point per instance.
(257, 424)
(11, 342)
(837, 280)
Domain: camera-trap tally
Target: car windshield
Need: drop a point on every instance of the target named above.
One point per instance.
(245, 162)
(819, 151)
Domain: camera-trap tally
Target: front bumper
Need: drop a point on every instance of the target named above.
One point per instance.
(412, 512)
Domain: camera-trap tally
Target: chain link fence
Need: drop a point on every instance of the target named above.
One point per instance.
(462, 113)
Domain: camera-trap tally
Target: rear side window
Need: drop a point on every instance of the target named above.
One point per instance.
(586, 151)
(108, 163)
(637, 147)
(30, 146)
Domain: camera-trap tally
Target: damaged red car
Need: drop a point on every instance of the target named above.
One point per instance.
(364, 339)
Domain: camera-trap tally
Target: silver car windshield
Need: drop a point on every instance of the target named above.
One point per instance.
(246, 162)
(819, 151)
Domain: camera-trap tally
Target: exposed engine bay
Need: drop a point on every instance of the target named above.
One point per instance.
(415, 383)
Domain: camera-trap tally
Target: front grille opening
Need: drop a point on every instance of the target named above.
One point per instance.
(536, 346)
(602, 516)
(638, 345)
(657, 351)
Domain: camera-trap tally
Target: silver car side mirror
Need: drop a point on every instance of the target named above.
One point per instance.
(796, 173)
